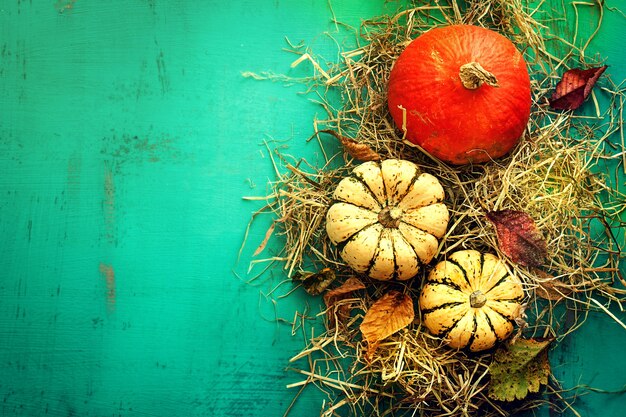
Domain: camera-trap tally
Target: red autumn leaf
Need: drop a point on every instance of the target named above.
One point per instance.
(574, 88)
(519, 238)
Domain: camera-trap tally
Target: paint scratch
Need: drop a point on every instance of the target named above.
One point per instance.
(108, 274)
(64, 5)
(162, 73)
(73, 175)
(108, 205)
(126, 149)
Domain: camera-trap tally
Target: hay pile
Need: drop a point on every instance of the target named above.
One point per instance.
(560, 175)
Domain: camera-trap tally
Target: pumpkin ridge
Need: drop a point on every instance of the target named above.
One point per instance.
(412, 182)
(415, 227)
(472, 337)
(396, 267)
(491, 327)
(394, 173)
(446, 281)
(439, 307)
(369, 190)
(350, 189)
(343, 243)
(358, 176)
(501, 281)
(406, 232)
(435, 198)
(399, 237)
(376, 252)
(508, 319)
(510, 300)
(458, 264)
(482, 268)
(407, 213)
(444, 332)
(335, 201)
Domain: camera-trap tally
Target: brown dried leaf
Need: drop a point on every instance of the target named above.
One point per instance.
(315, 283)
(266, 239)
(518, 369)
(574, 88)
(554, 290)
(351, 285)
(359, 151)
(519, 237)
(389, 314)
(333, 297)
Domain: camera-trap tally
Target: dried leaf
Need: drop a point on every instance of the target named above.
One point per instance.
(359, 151)
(519, 237)
(351, 285)
(316, 283)
(518, 369)
(389, 314)
(574, 87)
(551, 288)
(266, 239)
(333, 297)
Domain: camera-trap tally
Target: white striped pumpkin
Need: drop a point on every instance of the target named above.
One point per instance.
(387, 218)
(471, 300)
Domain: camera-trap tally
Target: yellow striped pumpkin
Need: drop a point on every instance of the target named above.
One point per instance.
(386, 219)
(471, 300)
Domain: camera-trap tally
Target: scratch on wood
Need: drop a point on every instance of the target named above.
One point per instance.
(63, 5)
(162, 73)
(108, 205)
(73, 174)
(134, 149)
(108, 274)
(152, 5)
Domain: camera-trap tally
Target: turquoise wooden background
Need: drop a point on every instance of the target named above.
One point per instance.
(127, 138)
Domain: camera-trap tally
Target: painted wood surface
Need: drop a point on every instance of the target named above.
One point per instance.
(128, 137)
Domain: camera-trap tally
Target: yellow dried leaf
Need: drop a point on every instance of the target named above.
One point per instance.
(389, 314)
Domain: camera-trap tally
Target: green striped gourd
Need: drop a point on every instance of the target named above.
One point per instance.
(386, 219)
(471, 300)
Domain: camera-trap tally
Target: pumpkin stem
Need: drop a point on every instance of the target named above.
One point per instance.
(473, 75)
(389, 217)
(477, 299)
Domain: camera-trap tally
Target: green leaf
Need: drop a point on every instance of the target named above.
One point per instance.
(518, 369)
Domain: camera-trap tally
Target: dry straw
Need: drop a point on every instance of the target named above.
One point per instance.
(560, 174)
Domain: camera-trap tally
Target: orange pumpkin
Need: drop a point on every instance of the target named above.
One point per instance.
(462, 93)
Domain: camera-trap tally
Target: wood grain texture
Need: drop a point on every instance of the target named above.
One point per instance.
(127, 138)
